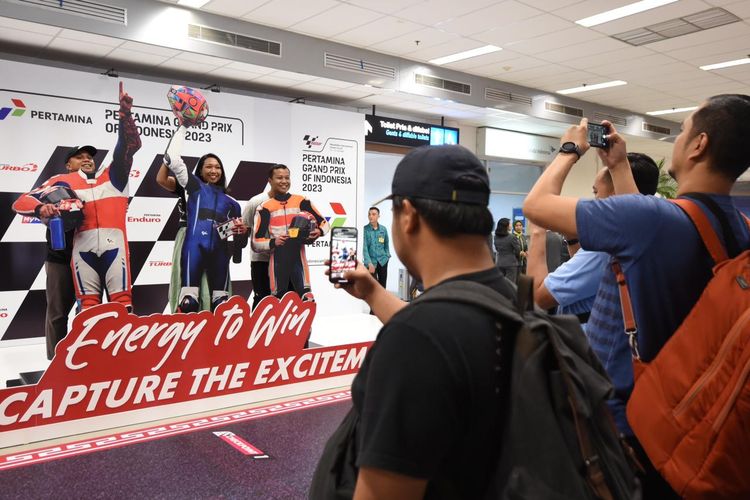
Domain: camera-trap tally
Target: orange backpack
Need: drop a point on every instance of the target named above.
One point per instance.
(690, 408)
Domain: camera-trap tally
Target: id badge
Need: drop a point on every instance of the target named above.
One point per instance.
(381, 240)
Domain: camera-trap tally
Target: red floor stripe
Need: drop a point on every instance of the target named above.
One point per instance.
(123, 439)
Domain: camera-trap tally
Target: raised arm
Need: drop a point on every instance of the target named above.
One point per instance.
(544, 206)
(128, 143)
(173, 161)
(537, 267)
(615, 158)
(165, 180)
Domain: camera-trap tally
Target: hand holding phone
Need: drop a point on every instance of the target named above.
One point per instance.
(343, 253)
(597, 135)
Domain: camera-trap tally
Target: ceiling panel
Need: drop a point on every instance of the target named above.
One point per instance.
(335, 20)
(91, 38)
(41, 29)
(186, 66)
(286, 13)
(209, 61)
(490, 17)
(126, 55)
(557, 39)
(233, 74)
(150, 49)
(445, 49)
(433, 12)
(728, 35)
(625, 53)
(523, 30)
(89, 49)
(385, 28)
(250, 68)
(582, 50)
(25, 37)
(290, 75)
(493, 60)
(406, 44)
(587, 8)
(232, 8)
(387, 6)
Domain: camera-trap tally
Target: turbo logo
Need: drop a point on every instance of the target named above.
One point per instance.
(18, 111)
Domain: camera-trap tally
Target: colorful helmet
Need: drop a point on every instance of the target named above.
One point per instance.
(188, 105)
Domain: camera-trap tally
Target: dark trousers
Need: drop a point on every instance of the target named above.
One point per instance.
(510, 272)
(381, 274)
(261, 282)
(61, 297)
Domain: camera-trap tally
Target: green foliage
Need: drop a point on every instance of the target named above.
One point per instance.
(667, 186)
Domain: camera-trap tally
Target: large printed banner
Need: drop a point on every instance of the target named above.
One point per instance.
(113, 362)
(46, 111)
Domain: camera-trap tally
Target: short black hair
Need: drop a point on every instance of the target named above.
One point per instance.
(276, 166)
(374, 208)
(725, 119)
(645, 172)
(199, 168)
(448, 218)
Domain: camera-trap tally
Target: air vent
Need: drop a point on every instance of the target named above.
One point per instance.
(679, 26)
(360, 66)
(617, 120)
(85, 8)
(560, 108)
(648, 127)
(440, 83)
(503, 96)
(236, 40)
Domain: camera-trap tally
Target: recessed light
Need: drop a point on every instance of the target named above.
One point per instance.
(196, 4)
(671, 110)
(727, 64)
(624, 11)
(596, 86)
(487, 49)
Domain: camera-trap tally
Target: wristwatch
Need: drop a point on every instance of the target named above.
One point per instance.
(569, 148)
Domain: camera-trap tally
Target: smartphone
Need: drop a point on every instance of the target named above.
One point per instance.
(343, 252)
(598, 136)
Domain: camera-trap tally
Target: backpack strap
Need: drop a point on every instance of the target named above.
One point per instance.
(730, 239)
(626, 305)
(472, 293)
(705, 229)
(525, 297)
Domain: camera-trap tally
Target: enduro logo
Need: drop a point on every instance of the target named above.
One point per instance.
(19, 110)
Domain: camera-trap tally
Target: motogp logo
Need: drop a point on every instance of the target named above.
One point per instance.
(311, 140)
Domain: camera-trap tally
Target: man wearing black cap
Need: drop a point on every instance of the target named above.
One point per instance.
(427, 395)
(60, 293)
(100, 260)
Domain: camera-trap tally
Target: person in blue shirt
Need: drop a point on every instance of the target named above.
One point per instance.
(573, 286)
(375, 247)
(662, 255)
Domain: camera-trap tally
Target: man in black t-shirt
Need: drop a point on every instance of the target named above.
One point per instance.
(427, 393)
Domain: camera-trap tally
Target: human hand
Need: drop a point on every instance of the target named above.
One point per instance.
(578, 134)
(371, 268)
(314, 234)
(48, 210)
(239, 227)
(359, 282)
(280, 240)
(523, 254)
(616, 154)
(126, 102)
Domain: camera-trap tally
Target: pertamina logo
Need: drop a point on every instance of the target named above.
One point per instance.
(19, 110)
(311, 140)
(339, 217)
(35, 114)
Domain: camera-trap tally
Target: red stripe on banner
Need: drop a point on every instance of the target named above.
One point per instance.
(123, 439)
(338, 208)
(18, 103)
(240, 444)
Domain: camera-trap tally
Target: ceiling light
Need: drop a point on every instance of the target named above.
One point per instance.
(196, 4)
(487, 49)
(671, 110)
(727, 64)
(627, 10)
(596, 86)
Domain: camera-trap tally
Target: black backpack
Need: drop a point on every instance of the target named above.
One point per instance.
(559, 439)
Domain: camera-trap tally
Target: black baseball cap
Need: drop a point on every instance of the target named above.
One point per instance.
(439, 173)
(74, 151)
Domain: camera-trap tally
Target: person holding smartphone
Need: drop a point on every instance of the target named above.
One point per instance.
(375, 247)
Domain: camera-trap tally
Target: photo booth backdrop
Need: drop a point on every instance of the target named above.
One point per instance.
(45, 111)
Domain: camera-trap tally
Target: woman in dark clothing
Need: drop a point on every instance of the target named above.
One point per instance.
(508, 250)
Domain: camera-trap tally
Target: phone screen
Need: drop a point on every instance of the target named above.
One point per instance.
(343, 252)
(597, 135)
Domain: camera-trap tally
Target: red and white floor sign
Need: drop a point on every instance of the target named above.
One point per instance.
(240, 444)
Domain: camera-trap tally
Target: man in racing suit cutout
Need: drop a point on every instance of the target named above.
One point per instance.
(101, 258)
